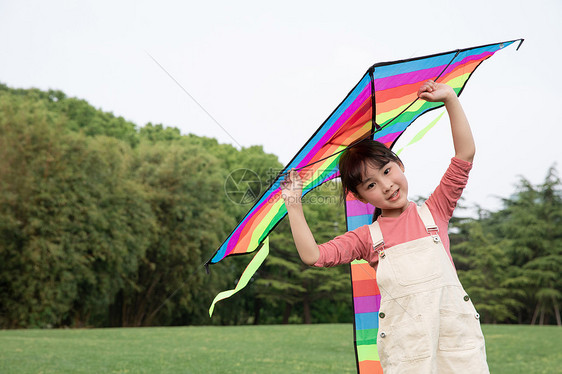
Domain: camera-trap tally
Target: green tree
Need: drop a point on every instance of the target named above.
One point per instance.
(80, 115)
(159, 133)
(70, 222)
(510, 259)
(532, 220)
(484, 270)
(103, 224)
(184, 191)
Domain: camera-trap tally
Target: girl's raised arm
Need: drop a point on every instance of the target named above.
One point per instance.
(460, 128)
(291, 191)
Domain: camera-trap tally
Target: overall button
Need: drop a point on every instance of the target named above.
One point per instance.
(381, 315)
(466, 298)
(477, 316)
(383, 335)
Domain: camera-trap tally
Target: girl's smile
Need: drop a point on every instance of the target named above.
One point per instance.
(385, 188)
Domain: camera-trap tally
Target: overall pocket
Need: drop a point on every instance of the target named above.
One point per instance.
(405, 341)
(459, 331)
(417, 264)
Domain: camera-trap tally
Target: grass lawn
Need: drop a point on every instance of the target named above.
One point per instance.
(242, 349)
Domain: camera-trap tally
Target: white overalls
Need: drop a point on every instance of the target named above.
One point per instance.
(427, 323)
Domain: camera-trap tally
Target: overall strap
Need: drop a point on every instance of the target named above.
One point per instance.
(376, 236)
(428, 222)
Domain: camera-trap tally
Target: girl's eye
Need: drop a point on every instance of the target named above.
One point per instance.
(387, 171)
(371, 185)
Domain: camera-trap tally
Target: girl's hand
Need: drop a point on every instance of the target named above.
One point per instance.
(291, 189)
(433, 92)
(462, 136)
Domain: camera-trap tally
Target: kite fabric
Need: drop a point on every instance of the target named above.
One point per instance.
(381, 106)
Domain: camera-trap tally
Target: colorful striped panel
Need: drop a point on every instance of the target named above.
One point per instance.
(366, 295)
(396, 86)
(352, 120)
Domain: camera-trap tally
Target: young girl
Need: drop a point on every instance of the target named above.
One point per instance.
(427, 323)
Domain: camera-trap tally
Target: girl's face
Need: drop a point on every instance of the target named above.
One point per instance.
(386, 188)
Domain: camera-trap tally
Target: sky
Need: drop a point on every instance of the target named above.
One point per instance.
(269, 73)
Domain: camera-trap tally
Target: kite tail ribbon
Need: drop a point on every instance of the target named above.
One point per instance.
(250, 270)
(422, 133)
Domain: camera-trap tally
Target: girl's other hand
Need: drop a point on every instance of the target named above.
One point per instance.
(436, 92)
(291, 188)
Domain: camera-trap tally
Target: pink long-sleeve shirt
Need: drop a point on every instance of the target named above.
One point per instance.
(358, 244)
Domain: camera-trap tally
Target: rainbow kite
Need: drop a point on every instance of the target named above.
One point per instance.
(381, 106)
